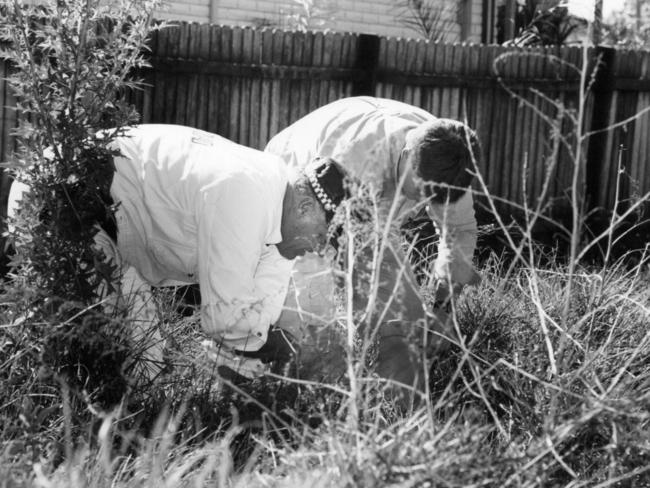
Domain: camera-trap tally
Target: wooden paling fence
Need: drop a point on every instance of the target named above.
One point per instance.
(247, 84)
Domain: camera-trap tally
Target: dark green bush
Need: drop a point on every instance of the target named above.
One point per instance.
(70, 65)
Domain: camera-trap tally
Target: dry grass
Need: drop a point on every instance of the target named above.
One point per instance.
(498, 415)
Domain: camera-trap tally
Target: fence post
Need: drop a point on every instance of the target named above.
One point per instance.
(8, 121)
(603, 90)
(367, 60)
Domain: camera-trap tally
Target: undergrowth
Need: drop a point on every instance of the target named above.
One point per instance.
(497, 415)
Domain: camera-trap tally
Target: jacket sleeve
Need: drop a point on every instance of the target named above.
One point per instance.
(456, 226)
(243, 281)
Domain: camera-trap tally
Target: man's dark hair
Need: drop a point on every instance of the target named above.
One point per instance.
(442, 154)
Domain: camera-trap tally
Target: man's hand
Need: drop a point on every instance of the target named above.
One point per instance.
(279, 350)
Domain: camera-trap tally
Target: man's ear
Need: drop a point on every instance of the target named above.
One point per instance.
(306, 205)
(404, 156)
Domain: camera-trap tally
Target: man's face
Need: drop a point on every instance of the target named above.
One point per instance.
(304, 230)
(414, 186)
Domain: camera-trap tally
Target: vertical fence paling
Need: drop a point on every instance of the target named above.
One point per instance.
(7, 123)
(247, 84)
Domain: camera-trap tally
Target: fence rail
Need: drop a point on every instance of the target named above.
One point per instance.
(247, 84)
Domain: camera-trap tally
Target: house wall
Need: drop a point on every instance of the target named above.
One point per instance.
(378, 17)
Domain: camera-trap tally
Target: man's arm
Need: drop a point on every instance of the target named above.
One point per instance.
(243, 282)
(456, 225)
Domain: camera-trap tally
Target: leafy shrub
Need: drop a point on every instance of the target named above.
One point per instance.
(71, 63)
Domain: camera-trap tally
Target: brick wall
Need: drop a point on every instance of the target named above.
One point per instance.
(189, 10)
(367, 16)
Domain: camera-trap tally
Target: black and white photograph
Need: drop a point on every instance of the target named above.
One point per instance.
(325, 243)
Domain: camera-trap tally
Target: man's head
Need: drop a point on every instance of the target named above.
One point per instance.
(309, 205)
(439, 158)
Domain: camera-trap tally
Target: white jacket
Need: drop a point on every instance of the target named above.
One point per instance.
(197, 208)
(367, 135)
